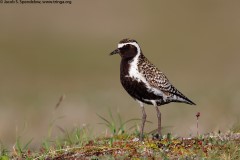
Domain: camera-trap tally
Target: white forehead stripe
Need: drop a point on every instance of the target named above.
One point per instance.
(120, 45)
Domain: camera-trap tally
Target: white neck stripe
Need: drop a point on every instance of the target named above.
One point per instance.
(120, 45)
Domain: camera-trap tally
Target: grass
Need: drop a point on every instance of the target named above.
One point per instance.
(125, 146)
(123, 143)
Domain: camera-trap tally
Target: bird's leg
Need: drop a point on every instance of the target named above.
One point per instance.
(144, 117)
(159, 121)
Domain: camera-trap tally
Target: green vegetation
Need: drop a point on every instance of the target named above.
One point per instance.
(122, 143)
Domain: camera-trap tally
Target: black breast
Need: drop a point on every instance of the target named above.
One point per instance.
(137, 90)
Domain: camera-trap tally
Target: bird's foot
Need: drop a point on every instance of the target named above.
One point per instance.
(157, 136)
(141, 137)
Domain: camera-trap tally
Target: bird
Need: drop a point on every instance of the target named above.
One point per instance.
(144, 82)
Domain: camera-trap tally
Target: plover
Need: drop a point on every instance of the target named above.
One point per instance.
(144, 82)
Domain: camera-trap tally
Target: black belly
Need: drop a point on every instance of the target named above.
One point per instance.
(139, 91)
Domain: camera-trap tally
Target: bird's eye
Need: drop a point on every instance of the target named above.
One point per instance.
(124, 47)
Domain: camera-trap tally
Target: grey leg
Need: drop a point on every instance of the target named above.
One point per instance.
(159, 121)
(144, 117)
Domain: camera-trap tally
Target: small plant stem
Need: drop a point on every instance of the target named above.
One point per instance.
(197, 126)
(197, 115)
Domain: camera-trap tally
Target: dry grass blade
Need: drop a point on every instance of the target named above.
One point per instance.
(61, 129)
(60, 101)
(155, 130)
(132, 120)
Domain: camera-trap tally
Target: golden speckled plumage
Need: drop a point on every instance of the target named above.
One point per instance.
(158, 80)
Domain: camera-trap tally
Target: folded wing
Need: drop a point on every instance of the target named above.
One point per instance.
(158, 80)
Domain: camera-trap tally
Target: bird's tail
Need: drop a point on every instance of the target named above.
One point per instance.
(188, 101)
(182, 98)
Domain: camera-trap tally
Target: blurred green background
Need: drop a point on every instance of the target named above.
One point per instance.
(50, 50)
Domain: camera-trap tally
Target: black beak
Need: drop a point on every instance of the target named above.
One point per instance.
(116, 51)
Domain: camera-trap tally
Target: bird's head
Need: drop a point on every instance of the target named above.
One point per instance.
(127, 48)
